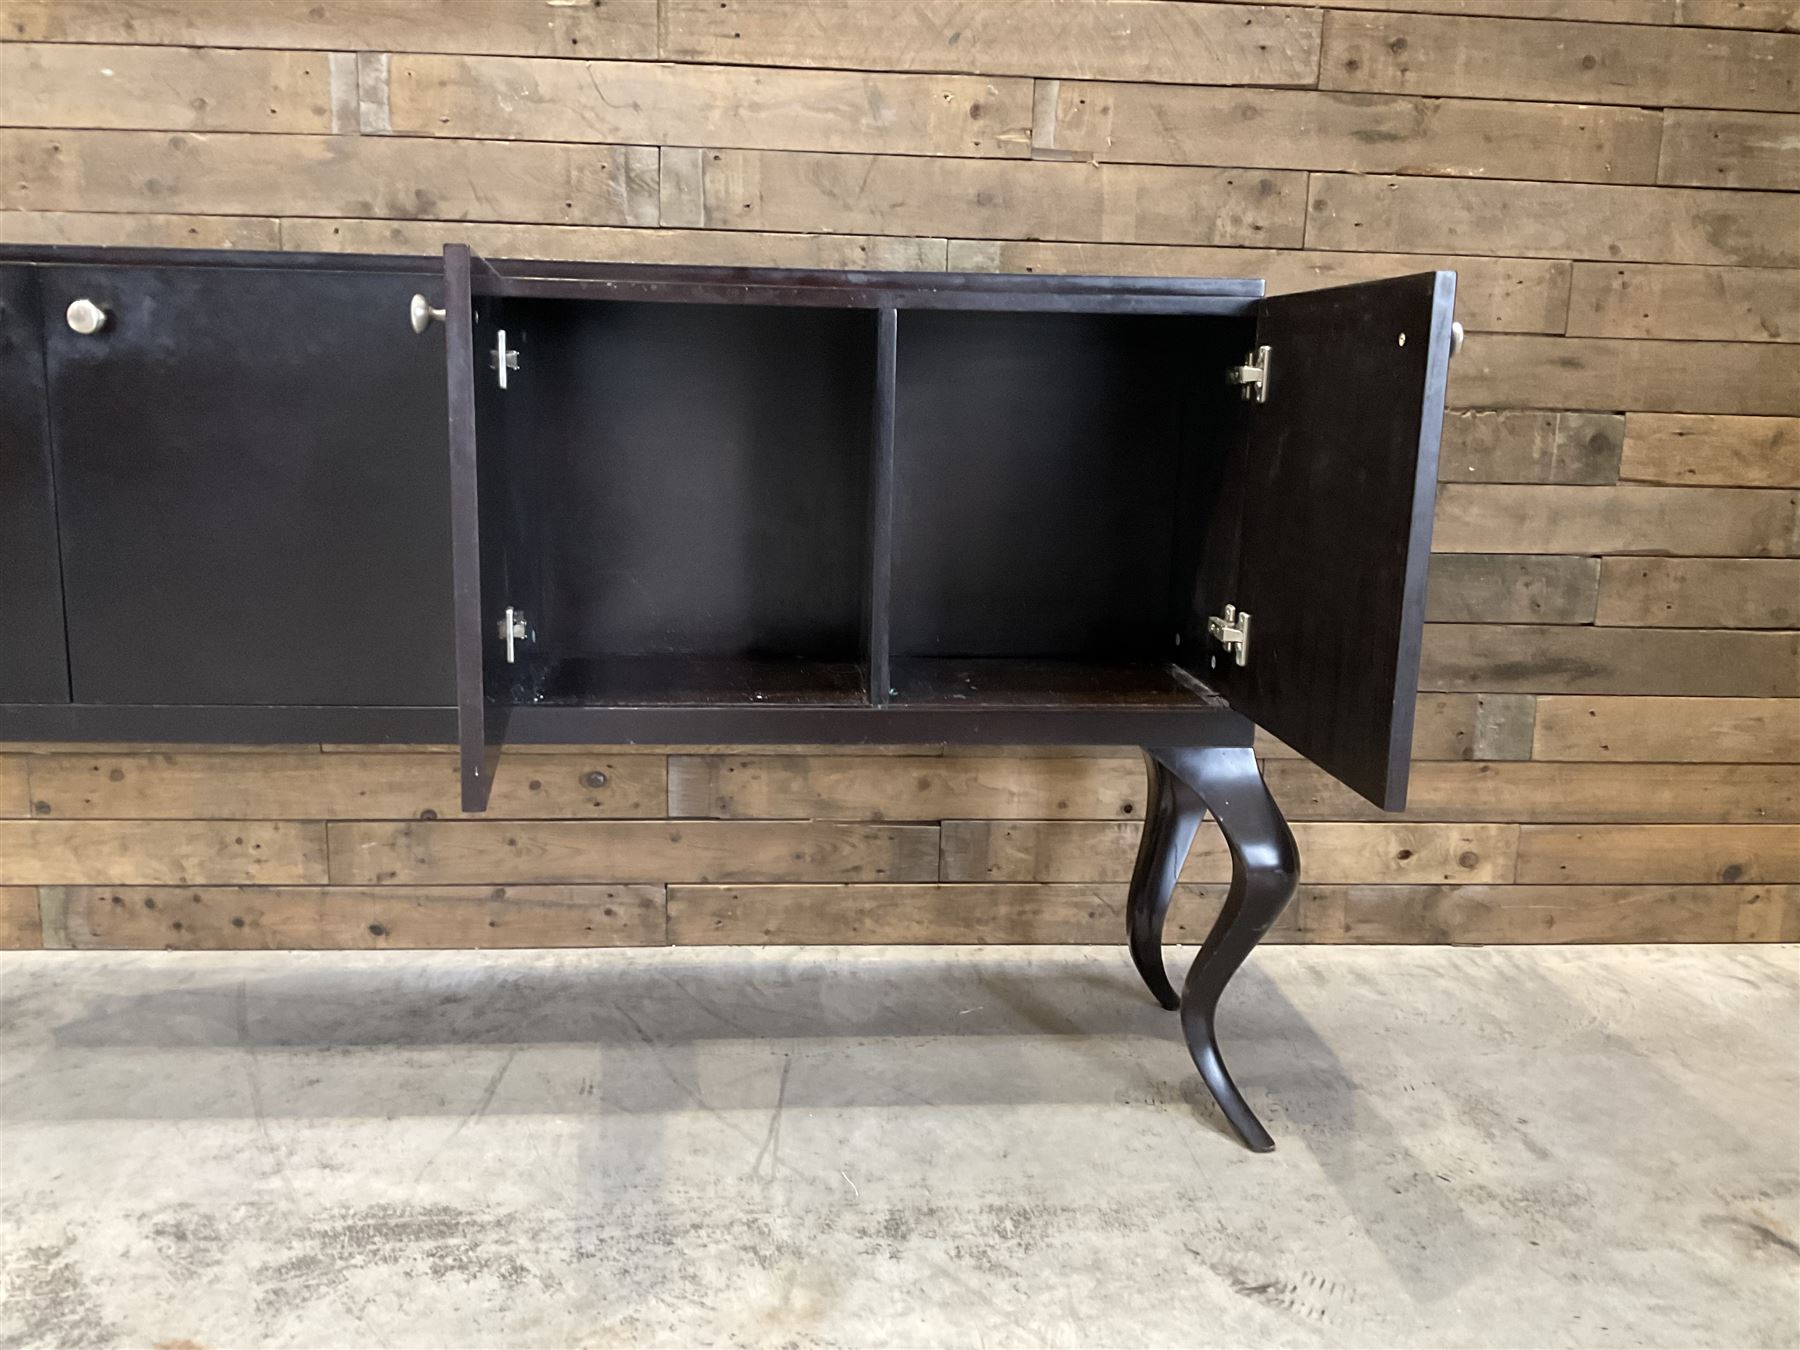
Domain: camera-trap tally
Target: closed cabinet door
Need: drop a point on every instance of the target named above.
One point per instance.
(253, 490)
(33, 660)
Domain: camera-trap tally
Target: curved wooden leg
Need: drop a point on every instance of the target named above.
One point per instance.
(1265, 867)
(1172, 812)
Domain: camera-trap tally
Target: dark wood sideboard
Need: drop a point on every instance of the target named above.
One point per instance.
(275, 496)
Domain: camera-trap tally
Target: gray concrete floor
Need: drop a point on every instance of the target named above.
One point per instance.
(1506, 1147)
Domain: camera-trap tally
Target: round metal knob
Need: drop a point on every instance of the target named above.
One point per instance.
(422, 314)
(1456, 338)
(87, 318)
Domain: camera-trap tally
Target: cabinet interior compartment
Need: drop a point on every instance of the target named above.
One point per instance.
(1055, 475)
(684, 501)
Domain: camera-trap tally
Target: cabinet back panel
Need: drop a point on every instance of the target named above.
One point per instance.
(33, 658)
(1039, 468)
(254, 488)
(703, 476)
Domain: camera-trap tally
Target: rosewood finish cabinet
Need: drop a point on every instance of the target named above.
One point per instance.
(263, 497)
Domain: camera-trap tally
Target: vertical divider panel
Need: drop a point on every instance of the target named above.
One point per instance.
(881, 509)
(465, 527)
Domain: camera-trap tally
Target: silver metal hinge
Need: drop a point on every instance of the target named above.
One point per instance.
(504, 358)
(514, 629)
(1253, 375)
(1232, 632)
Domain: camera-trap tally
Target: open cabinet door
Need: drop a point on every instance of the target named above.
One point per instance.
(1338, 482)
(491, 627)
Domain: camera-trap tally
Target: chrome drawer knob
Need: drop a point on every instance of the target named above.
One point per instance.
(87, 318)
(422, 314)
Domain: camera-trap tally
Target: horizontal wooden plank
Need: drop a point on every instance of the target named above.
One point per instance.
(1501, 914)
(1555, 792)
(1193, 43)
(364, 176)
(1510, 588)
(1502, 295)
(159, 852)
(1551, 220)
(1734, 451)
(895, 194)
(1520, 445)
(1700, 592)
(1779, 16)
(294, 918)
(163, 88)
(1352, 133)
(15, 798)
(581, 243)
(843, 787)
(617, 28)
(1541, 659)
(934, 913)
(1668, 730)
(630, 102)
(1539, 59)
(1515, 370)
(20, 929)
(321, 787)
(1611, 11)
(1085, 851)
(113, 229)
(1724, 304)
(458, 852)
(1452, 726)
(1552, 518)
(1670, 854)
(1730, 150)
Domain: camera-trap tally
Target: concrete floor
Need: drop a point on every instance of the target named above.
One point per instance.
(1508, 1147)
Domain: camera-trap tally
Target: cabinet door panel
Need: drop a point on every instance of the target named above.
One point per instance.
(253, 487)
(1338, 482)
(33, 660)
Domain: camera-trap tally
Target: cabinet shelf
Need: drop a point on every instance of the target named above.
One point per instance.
(1018, 683)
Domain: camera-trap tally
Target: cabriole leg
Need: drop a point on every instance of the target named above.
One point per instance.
(1265, 867)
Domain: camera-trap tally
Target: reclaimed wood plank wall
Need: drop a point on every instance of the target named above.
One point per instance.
(1610, 718)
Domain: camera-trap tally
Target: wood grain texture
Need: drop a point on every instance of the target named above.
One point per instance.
(580, 852)
(1539, 659)
(1735, 451)
(1725, 854)
(163, 88)
(1510, 588)
(1508, 370)
(933, 913)
(1195, 43)
(1700, 592)
(15, 799)
(1089, 851)
(20, 929)
(617, 28)
(1667, 730)
(1702, 522)
(230, 174)
(1724, 304)
(1519, 445)
(294, 918)
(1352, 133)
(1552, 913)
(160, 852)
(844, 787)
(894, 194)
(1776, 16)
(323, 787)
(720, 248)
(626, 102)
(1551, 220)
(1535, 59)
(1445, 726)
(129, 230)
(1502, 295)
(1730, 150)
(1556, 792)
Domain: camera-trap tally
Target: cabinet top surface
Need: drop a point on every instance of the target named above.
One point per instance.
(718, 285)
